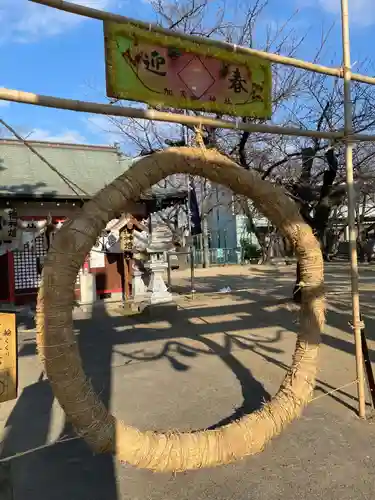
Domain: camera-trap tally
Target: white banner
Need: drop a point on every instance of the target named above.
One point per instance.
(110, 242)
(97, 259)
(17, 234)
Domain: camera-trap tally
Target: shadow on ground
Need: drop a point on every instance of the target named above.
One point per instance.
(70, 470)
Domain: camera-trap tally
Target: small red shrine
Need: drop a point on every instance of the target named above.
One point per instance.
(34, 203)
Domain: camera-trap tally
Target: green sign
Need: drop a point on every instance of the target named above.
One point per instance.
(172, 72)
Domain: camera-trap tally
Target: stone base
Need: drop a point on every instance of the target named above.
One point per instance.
(157, 289)
(128, 309)
(157, 311)
(155, 299)
(87, 309)
(139, 288)
(139, 299)
(87, 289)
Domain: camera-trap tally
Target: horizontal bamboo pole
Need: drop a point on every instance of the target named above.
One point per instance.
(149, 114)
(160, 116)
(269, 56)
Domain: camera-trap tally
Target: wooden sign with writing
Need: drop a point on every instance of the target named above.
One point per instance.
(171, 72)
(126, 240)
(8, 357)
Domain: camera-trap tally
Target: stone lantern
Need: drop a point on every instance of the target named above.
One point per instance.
(161, 242)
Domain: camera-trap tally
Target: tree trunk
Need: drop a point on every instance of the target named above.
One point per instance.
(322, 212)
(332, 243)
(361, 233)
(297, 294)
(206, 248)
(252, 227)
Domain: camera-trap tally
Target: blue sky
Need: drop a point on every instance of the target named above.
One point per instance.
(49, 52)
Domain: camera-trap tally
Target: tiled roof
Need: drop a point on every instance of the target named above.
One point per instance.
(22, 173)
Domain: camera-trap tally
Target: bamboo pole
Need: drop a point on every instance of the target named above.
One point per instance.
(348, 114)
(269, 56)
(346, 74)
(150, 114)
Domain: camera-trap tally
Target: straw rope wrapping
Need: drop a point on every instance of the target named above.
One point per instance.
(174, 451)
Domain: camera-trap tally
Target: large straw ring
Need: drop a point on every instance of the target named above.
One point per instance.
(174, 451)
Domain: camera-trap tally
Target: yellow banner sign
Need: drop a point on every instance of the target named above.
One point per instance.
(169, 71)
(8, 357)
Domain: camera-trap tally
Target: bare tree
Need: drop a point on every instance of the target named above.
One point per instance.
(236, 24)
(312, 171)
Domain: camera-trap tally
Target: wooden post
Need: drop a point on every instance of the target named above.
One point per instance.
(348, 114)
(127, 276)
(11, 278)
(169, 277)
(126, 241)
(368, 367)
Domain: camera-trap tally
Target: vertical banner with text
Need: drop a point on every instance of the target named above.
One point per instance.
(8, 357)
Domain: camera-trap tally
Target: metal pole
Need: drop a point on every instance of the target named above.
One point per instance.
(191, 245)
(188, 180)
(169, 278)
(348, 114)
(192, 272)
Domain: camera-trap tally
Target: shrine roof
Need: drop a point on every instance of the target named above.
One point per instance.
(91, 167)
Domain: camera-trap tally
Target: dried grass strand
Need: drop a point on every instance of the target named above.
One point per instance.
(174, 451)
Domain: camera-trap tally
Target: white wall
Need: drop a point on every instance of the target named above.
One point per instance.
(221, 218)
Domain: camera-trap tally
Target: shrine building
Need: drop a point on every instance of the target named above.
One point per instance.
(35, 201)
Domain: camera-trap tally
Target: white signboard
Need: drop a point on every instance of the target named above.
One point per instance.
(97, 259)
(111, 242)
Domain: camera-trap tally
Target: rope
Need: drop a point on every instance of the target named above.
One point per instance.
(37, 448)
(66, 440)
(335, 390)
(199, 137)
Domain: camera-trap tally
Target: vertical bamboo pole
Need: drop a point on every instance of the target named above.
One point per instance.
(348, 114)
(126, 278)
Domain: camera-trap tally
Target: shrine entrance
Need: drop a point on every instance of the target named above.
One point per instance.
(5, 285)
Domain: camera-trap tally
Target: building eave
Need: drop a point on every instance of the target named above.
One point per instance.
(62, 145)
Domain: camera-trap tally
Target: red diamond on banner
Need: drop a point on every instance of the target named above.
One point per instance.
(196, 77)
